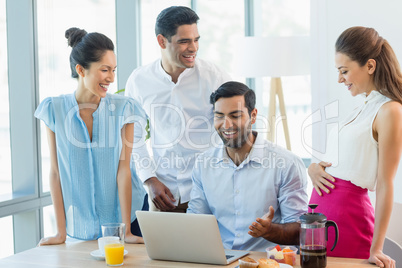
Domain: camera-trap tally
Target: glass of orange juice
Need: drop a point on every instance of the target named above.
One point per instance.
(114, 254)
(114, 249)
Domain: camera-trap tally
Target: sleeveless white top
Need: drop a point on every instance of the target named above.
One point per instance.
(352, 149)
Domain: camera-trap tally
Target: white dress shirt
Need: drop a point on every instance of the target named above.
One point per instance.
(352, 149)
(237, 195)
(180, 118)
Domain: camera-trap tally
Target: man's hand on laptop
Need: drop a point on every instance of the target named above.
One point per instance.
(262, 226)
(161, 196)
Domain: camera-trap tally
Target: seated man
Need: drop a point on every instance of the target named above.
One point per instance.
(247, 177)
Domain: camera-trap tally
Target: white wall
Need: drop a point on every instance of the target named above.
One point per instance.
(329, 19)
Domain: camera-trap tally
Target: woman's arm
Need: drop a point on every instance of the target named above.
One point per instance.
(124, 181)
(388, 131)
(57, 196)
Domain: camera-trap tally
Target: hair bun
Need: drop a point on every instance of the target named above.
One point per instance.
(74, 36)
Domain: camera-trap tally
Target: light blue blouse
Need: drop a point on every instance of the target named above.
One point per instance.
(88, 169)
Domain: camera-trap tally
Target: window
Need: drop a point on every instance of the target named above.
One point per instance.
(227, 21)
(54, 18)
(5, 154)
(45, 42)
(289, 18)
(7, 242)
(150, 9)
(49, 221)
(41, 45)
(285, 18)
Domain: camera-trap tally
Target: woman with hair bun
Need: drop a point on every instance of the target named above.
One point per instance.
(368, 151)
(90, 136)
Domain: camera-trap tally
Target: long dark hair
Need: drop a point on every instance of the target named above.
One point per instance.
(87, 48)
(361, 44)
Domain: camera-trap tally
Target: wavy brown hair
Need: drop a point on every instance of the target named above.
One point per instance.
(361, 44)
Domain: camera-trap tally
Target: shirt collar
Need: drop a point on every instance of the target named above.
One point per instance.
(162, 71)
(186, 72)
(257, 151)
(374, 94)
(77, 108)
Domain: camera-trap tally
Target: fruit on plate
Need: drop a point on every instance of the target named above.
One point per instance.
(283, 255)
(289, 256)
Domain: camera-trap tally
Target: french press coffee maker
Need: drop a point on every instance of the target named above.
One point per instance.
(313, 239)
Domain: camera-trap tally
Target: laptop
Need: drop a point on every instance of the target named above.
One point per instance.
(184, 237)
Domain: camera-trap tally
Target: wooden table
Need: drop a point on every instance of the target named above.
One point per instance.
(77, 254)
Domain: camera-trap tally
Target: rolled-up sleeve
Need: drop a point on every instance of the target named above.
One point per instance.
(144, 163)
(292, 197)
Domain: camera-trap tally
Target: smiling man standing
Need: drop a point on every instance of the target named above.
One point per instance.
(173, 94)
(255, 189)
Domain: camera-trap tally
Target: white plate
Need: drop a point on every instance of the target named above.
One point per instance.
(99, 256)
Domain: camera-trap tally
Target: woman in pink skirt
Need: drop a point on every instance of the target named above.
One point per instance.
(364, 152)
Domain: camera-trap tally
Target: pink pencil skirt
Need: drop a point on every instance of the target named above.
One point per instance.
(350, 208)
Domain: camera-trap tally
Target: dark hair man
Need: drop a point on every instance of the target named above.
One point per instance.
(255, 189)
(173, 94)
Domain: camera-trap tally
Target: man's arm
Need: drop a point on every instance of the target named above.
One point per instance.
(198, 202)
(293, 199)
(144, 163)
(286, 233)
(145, 166)
(160, 195)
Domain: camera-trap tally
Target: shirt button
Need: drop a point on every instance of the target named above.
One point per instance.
(237, 213)
(237, 235)
(237, 191)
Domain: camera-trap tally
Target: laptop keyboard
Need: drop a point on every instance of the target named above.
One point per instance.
(229, 256)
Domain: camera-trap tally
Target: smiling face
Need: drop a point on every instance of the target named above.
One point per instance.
(233, 122)
(100, 74)
(358, 79)
(181, 50)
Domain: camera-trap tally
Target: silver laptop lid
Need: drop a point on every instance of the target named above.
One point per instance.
(182, 237)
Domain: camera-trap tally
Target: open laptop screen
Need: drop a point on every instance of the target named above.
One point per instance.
(184, 237)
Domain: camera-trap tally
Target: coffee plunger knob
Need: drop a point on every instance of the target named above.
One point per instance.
(313, 206)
